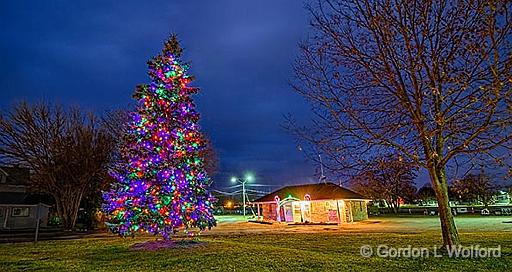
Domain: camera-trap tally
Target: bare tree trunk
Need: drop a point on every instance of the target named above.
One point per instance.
(390, 205)
(448, 228)
(394, 206)
(67, 208)
(76, 206)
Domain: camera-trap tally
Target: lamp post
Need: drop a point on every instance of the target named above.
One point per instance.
(248, 178)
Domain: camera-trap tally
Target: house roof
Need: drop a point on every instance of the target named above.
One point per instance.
(13, 198)
(23, 199)
(15, 175)
(317, 191)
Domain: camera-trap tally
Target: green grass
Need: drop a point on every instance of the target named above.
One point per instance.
(261, 252)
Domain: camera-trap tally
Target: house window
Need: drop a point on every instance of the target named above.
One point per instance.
(20, 212)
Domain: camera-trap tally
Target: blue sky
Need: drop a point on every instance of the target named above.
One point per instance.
(93, 54)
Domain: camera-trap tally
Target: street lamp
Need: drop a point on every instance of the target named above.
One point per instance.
(248, 178)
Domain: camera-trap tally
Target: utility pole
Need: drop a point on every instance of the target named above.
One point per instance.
(37, 223)
(243, 195)
(248, 178)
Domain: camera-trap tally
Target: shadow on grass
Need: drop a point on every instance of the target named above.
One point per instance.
(167, 244)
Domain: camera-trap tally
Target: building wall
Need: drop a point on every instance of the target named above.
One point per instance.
(269, 211)
(318, 211)
(24, 221)
(343, 212)
(359, 210)
(323, 211)
(11, 188)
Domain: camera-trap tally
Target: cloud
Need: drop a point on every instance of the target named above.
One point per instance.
(93, 53)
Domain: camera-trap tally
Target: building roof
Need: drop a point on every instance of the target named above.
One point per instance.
(13, 198)
(14, 175)
(23, 199)
(317, 191)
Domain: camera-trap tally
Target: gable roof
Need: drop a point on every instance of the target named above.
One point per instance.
(317, 191)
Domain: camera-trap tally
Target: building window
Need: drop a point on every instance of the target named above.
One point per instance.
(20, 212)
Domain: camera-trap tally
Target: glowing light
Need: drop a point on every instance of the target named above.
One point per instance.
(162, 186)
(277, 199)
(249, 177)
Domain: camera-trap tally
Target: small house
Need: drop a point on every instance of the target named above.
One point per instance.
(312, 203)
(18, 208)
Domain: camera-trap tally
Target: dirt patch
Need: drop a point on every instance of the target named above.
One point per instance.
(166, 244)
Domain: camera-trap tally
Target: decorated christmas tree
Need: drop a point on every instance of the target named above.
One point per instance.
(162, 185)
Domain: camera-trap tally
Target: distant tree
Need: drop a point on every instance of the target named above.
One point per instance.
(211, 160)
(115, 123)
(389, 178)
(510, 193)
(66, 150)
(475, 187)
(430, 79)
(426, 194)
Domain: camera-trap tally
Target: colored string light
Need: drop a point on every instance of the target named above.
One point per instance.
(163, 184)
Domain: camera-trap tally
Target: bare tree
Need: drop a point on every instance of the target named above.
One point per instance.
(67, 152)
(475, 187)
(429, 79)
(211, 160)
(116, 123)
(388, 178)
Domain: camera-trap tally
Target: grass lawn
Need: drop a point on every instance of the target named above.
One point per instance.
(324, 251)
